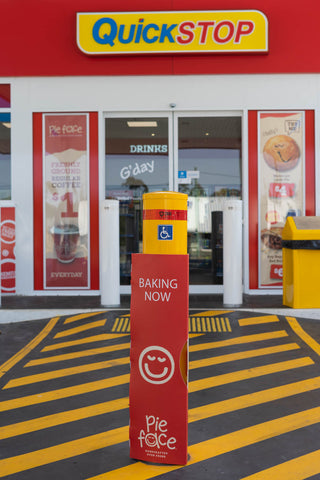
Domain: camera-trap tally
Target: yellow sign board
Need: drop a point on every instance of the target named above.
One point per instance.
(172, 32)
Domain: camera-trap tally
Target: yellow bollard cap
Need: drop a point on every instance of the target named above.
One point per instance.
(165, 223)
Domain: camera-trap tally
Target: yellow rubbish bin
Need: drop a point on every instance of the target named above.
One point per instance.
(164, 228)
(301, 262)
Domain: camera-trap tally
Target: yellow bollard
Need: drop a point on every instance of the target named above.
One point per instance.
(165, 223)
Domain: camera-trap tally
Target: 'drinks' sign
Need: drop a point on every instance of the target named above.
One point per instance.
(158, 378)
(172, 32)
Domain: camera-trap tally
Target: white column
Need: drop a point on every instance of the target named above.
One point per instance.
(232, 253)
(109, 253)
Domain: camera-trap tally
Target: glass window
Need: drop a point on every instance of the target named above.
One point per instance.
(5, 96)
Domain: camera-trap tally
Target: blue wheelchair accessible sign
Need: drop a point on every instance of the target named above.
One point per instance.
(182, 174)
(165, 232)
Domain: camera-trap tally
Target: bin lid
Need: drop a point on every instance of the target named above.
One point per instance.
(301, 228)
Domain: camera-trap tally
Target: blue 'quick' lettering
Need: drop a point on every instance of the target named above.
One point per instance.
(139, 30)
(130, 36)
(146, 30)
(134, 33)
(105, 39)
(166, 32)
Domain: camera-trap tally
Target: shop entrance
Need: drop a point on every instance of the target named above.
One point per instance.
(197, 154)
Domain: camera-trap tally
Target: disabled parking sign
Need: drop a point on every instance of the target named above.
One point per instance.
(165, 232)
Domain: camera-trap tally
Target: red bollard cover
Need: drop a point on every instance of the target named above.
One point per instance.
(159, 358)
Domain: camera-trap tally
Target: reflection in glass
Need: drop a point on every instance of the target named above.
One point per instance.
(5, 156)
(5, 95)
(136, 163)
(209, 171)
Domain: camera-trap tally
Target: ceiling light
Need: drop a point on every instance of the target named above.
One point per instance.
(142, 123)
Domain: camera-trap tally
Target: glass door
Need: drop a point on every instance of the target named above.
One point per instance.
(197, 154)
(136, 162)
(208, 169)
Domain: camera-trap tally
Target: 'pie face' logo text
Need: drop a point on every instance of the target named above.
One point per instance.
(156, 365)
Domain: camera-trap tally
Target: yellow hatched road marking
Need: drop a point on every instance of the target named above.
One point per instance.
(64, 372)
(43, 397)
(194, 415)
(213, 323)
(126, 324)
(218, 324)
(5, 367)
(73, 355)
(60, 393)
(81, 341)
(231, 357)
(56, 453)
(224, 328)
(228, 324)
(61, 418)
(211, 313)
(194, 325)
(81, 316)
(82, 328)
(240, 375)
(296, 327)
(115, 325)
(298, 468)
(122, 324)
(258, 320)
(219, 446)
(208, 324)
(198, 452)
(239, 340)
(203, 322)
(252, 399)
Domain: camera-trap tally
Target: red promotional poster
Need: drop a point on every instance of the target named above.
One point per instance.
(8, 243)
(159, 358)
(66, 200)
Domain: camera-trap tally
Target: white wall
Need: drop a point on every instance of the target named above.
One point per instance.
(130, 94)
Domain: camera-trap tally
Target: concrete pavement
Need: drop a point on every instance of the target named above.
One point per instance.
(22, 315)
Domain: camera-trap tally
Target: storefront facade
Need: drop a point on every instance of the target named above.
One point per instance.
(215, 125)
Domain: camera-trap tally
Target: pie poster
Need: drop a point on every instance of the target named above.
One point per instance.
(66, 180)
(281, 181)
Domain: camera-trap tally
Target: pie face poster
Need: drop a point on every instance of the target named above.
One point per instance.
(66, 187)
(281, 186)
(8, 246)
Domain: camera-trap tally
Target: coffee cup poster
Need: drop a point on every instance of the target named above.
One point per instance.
(281, 183)
(66, 200)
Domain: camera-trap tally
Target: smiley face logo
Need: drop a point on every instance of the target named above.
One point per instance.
(156, 365)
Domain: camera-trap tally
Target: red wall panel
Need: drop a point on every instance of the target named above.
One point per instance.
(40, 39)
